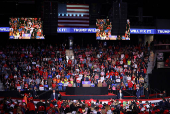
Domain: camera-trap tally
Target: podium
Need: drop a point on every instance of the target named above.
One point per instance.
(86, 83)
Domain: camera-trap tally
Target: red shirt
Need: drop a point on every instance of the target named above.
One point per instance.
(107, 73)
(134, 86)
(124, 61)
(18, 85)
(124, 88)
(126, 56)
(132, 77)
(116, 73)
(11, 76)
(41, 72)
(53, 85)
(82, 65)
(144, 70)
(92, 58)
(25, 85)
(83, 55)
(130, 84)
(102, 66)
(78, 81)
(69, 62)
(59, 104)
(31, 106)
(111, 73)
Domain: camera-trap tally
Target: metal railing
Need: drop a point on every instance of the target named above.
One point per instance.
(155, 92)
(129, 93)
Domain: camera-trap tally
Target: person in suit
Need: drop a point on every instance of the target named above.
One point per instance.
(164, 94)
(85, 78)
(34, 92)
(120, 95)
(54, 95)
(138, 94)
(146, 93)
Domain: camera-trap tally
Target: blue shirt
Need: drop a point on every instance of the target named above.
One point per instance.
(49, 76)
(68, 76)
(113, 85)
(6, 76)
(60, 59)
(98, 38)
(60, 84)
(46, 86)
(92, 85)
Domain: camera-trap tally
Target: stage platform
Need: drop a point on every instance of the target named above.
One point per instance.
(86, 97)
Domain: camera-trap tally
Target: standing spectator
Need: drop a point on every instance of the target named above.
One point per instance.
(104, 84)
(130, 85)
(34, 93)
(100, 84)
(54, 95)
(146, 93)
(120, 95)
(138, 94)
(31, 107)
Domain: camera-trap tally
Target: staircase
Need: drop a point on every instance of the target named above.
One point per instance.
(150, 66)
(151, 62)
(1, 86)
(69, 54)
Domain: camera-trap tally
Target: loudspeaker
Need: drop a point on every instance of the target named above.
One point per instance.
(50, 17)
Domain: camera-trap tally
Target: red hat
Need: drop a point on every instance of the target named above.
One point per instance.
(31, 98)
(152, 105)
(67, 106)
(158, 110)
(51, 105)
(112, 108)
(121, 105)
(137, 103)
(54, 99)
(109, 103)
(86, 102)
(91, 100)
(80, 110)
(89, 104)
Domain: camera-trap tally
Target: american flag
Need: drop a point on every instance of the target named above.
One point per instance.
(73, 15)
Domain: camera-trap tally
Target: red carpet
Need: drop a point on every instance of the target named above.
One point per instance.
(64, 94)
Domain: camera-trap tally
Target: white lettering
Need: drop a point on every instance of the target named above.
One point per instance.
(163, 31)
(89, 30)
(148, 31)
(4, 29)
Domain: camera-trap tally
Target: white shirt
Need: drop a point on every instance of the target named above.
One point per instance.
(120, 95)
(54, 95)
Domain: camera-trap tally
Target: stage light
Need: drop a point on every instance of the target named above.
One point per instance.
(63, 14)
(67, 14)
(74, 14)
(82, 15)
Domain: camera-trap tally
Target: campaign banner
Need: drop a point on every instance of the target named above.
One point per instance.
(11, 37)
(4, 29)
(86, 82)
(76, 30)
(163, 31)
(26, 36)
(142, 31)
